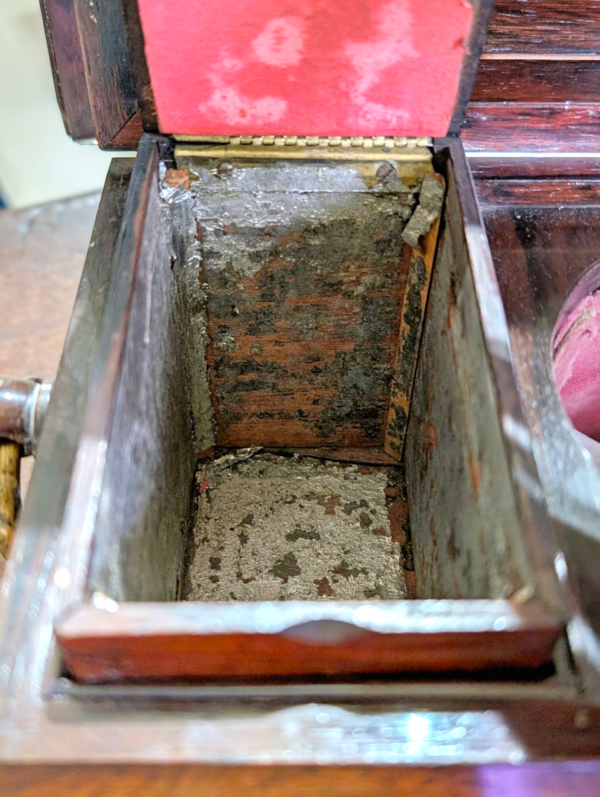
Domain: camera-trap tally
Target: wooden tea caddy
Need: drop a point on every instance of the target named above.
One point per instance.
(217, 313)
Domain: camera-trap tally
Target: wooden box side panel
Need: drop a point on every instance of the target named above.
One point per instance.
(465, 527)
(27, 586)
(141, 529)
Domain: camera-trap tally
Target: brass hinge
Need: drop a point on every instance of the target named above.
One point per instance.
(371, 148)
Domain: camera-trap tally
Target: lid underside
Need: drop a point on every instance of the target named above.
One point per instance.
(320, 68)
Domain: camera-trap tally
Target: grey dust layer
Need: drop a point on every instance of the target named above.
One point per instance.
(292, 528)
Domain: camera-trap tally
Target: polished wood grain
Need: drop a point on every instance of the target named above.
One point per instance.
(549, 127)
(539, 27)
(537, 87)
(533, 191)
(539, 81)
(67, 60)
(580, 167)
(108, 68)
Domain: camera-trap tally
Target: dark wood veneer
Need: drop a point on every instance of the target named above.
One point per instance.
(540, 81)
(510, 127)
(563, 27)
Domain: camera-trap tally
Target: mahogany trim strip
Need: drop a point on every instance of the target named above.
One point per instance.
(157, 641)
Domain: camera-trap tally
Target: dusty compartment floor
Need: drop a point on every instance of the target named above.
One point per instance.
(273, 527)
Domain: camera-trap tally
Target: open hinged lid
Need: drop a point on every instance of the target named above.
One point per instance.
(320, 68)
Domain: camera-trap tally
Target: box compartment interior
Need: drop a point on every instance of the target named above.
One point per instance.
(269, 302)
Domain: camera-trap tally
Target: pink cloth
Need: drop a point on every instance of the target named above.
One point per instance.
(317, 67)
(577, 365)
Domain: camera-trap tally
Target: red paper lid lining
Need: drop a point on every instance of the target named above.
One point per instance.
(321, 67)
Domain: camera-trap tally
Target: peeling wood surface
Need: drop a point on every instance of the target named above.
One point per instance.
(411, 324)
(304, 275)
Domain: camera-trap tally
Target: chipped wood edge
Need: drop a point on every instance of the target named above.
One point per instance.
(412, 315)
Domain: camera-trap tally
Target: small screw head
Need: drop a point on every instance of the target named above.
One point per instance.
(225, 169)
(385, 171)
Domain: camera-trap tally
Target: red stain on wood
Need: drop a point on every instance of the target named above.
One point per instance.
(177, 178)
(324, 589)
(475, 471)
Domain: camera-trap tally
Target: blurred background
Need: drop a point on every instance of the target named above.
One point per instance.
(38, 161)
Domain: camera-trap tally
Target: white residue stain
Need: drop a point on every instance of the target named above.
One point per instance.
(281, 42)
(392, 43)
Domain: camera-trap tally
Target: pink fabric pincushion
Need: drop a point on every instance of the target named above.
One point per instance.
(577, 365)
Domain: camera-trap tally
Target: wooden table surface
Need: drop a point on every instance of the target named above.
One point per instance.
(42, 251)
